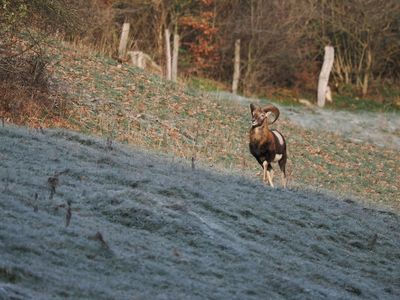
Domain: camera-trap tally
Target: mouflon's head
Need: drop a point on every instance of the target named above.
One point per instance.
(259, 114)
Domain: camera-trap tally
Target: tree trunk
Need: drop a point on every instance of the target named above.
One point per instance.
(247, 80)
(123, 41)
(161, 23)
(167, 54)
(175, 52)
(236, 67)
(324, 75)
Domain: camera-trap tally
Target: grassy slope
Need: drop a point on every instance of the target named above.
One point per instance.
(129, 105)
(146, 226)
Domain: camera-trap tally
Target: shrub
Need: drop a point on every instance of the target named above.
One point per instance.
(24, 75)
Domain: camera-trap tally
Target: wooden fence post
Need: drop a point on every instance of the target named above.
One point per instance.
(236, 67)
(324, 75)
(168, 54)
(123, 42)
(175, 52)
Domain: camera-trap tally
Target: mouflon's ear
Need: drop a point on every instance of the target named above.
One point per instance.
(252, 107)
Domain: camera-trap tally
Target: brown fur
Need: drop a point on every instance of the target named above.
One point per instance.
(264, 144)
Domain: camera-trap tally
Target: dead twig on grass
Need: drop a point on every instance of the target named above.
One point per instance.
(69, 214)
(99, 237)
(35, 205)
(109, 142)
(193, 165)
(372, 241)
(53, 182)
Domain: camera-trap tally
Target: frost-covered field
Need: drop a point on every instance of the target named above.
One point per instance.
(381, 129)
(147, 226)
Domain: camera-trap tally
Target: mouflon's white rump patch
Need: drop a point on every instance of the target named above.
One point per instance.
(279, 136)
(277, 157)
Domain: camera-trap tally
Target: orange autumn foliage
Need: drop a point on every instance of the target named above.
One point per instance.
(201, 42)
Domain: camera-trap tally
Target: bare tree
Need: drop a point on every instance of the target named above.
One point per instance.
(363, 33)
(272, 38)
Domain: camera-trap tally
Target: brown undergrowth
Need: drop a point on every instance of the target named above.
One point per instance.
(27, 94)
